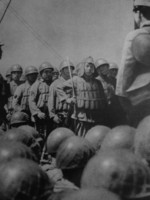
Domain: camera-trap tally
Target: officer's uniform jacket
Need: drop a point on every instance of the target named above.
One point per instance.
(38, 99)
(21, 97)
(56, 106)
(130, 67)
(90, 98)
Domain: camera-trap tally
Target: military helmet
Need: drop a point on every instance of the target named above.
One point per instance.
(113, 65)
(120, 171)
(142, 3)
(66, 63)
(119, 137)
(19, 118)
(100, 62)
(45, 65)
(73, 153)
(24, 179)
(16, 68)
(31, 70)
(10, 150)
(8, 72)
(96, 135)
(56, 137)
(142, 139)
(90, 194)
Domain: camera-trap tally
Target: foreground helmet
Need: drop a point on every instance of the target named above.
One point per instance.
(22, 179)
(31, 70)
(10, 150)
(89, 194)
(100, 62)
(142, 139)
(19, 118)
(16, 68)
(56, 137)
(119, 137)
(66, 63)
(45, 65)
(119, 171)
(96, 135)
(74, 152)
(22, 136)
(8, 72)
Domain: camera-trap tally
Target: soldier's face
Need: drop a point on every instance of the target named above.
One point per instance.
(32, 77)
(113, 72)
(16, 76)
(89, 69)
(103, 70)
(47, 74)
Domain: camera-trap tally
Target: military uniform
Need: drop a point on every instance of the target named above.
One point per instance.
(38, 100)
(55, 106)
(90, 102)
(134, 74)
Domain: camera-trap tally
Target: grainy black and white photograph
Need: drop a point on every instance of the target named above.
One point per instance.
(74, 99)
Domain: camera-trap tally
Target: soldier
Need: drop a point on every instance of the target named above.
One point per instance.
(16, 72)
(38, 99)
(21, 95)
(59, 111)
(102, 68)
(8, 75)
(133, 81)
(89, 99)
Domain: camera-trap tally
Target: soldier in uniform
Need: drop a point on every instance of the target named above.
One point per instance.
(133, 81)
(38, 99)
(16, 72)
(89, 99)
(58, 110)
(21, 95)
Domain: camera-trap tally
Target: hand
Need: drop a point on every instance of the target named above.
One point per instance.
(71, 100)
(56, 119)
(41, 115)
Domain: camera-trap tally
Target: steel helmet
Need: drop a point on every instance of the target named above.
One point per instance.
(8, 72)
(119, 137)
(100, 62)
(45, 65)
(19, 118)
(113, 65)
(74, 153)
(142, 3)
(66, 63)
(31, 70)
(89, 59)
(56, 137)
(90, 194)
(96, 135)
(142, 139)
(120, 171)
(16, 68)
(24, 179)
(10, 150)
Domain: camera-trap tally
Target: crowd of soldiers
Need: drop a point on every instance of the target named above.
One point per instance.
(66, 135)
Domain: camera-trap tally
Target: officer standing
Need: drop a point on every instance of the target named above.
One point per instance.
(58, 110)
(16, 72)
(38, 99)
(21, 95)
(133, 81)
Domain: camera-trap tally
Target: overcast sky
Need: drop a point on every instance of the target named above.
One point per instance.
(34, 31)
